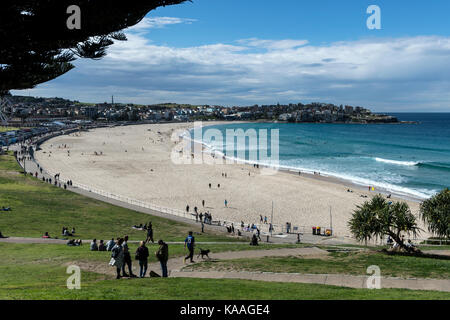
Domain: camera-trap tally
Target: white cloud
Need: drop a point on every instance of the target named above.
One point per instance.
(158, 23)
(387, 74)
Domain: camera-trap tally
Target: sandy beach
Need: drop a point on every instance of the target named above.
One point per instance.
(135, 161)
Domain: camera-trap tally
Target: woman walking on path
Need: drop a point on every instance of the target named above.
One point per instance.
(142, 257)
(117, 257)
(149, 233)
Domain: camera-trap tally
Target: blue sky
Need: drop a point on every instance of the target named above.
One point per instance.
(244, 52)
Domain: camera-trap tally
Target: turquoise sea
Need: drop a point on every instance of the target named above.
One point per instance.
(406, 159)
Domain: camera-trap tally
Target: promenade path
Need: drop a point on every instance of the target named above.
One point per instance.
(176, 265)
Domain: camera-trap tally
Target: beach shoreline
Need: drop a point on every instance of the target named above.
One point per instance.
(320, 176)
(135, 162)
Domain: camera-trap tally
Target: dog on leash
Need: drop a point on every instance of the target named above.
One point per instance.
(204, 253)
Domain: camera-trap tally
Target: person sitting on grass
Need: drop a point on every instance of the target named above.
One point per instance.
(2, 236)
(101, 246)
(94, 246)
(78, 242)
(66, 233)
(46, 236)
(110, 244)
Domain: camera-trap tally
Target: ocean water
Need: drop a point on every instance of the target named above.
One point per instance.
(407, 159)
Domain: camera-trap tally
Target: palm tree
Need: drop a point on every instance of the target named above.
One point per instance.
(379, 218)
(435, 212)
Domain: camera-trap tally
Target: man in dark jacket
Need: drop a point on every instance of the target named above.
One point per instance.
(142, 257)
(163, 255)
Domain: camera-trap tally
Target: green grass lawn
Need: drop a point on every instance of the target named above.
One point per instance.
(38, 271)
(355, 263)
(38, 207)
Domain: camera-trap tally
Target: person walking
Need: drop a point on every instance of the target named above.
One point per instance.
(189, 243)
(226, 203)
(149, 233)
(163, 256)
(142, 257)
(127, 259)
(117, 257)
(203, 203)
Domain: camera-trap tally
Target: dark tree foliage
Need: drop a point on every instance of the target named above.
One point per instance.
(378, 218)
(436, 213)
(37, 46)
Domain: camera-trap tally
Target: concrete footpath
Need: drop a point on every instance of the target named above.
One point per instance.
(341, 280)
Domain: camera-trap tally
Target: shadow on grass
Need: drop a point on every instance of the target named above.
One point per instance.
(416, 254)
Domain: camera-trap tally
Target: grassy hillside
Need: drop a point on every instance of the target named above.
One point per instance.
(38, 207)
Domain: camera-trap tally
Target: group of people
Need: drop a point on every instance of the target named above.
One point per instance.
(410, 247)
(65, 232)
(74, 243)
(98, 247)
(263, 220)
(120, 257)
(146, 227)
(203, 217)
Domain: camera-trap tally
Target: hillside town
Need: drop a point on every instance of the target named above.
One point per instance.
(30, 111)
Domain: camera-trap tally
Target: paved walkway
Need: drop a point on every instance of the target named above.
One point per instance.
(176, 265)
(341, 280)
